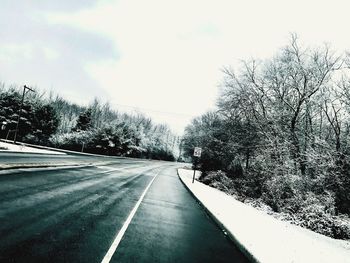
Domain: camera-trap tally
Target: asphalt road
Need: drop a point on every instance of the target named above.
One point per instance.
(75, 215)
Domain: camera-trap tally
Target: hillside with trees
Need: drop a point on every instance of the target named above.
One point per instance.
(279, 138)
(53, 121)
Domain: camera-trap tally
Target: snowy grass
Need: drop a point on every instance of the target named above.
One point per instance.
(263, 236)
(316, 213)
(24, 149)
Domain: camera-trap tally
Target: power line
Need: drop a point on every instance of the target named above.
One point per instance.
(157, 111)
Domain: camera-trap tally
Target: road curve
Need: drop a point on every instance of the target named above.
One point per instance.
(74, 215)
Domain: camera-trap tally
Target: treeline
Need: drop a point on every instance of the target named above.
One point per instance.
(53, 121)
(280, 136)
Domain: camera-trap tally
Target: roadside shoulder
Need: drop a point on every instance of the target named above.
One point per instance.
(260, 236)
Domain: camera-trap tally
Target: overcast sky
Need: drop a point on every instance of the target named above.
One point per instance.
(162, 57)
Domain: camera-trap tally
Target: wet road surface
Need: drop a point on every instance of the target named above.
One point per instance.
(74, 215)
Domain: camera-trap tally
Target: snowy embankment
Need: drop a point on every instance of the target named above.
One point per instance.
(264, 238)
(24, 149)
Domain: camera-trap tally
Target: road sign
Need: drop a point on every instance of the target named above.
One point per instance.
(197, 152)
(3, 127)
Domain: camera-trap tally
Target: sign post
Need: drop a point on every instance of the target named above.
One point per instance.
(196, 154)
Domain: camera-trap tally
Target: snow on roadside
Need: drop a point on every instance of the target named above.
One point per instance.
(25, 149)
(266, 238)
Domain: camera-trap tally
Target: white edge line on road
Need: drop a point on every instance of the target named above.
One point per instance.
(122, 231)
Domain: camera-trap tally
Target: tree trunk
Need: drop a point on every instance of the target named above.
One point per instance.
(247, 159)
(337, 144)
(295, 149)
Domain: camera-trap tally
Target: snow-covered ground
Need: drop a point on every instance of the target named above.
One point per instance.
(263, 236)
(25, 149)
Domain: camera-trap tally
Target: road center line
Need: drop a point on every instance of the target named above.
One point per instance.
(122, 231)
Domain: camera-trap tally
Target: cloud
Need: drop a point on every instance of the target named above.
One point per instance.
(166, 63)
(161, 55)
(50, 56)
(171, 52)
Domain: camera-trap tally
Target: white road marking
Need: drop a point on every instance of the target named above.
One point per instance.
(122, 169)
(112, 170)
(122, 231)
